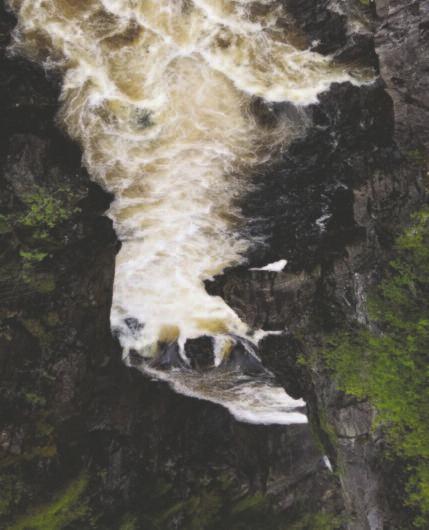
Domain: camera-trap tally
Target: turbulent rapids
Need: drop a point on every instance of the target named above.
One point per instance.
(159, 95)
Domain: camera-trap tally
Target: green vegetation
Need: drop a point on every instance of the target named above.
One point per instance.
(317, 521)
(216, 506)
(32, 256)
(213, 506)
(5, 227)
(418, 156)
(45, 212)
(64, 510)
(12, 490)
(32, 228)
(389, 364)
(203, 510)
(33, 232)
(39, 331)
(129, 523)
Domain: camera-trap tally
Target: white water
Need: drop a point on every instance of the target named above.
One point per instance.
(277, 266)
(249, 399)
(157, 92)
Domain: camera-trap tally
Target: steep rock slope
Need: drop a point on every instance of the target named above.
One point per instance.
(332, 206)
(402, 46)
(85, 441)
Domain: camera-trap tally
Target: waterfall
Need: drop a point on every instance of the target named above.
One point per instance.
(158, 93)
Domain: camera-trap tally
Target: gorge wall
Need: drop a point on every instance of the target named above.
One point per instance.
(89, 443)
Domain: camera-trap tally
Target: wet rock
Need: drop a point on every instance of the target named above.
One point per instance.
(402, 44)
(281, 355)
(200, 352)
(135, 359)
(263, 298)
(303, 204)
(242, 358)
(343, 29)
(271, 114)
(25, 164)
(326, 28)
(133, 325)
(332, 206)
(168, 357)
(12, 440)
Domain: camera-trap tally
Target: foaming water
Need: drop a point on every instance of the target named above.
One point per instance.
(249, 399)
(158, 94)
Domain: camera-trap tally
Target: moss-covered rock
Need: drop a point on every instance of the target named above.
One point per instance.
(388, 363)
(69, 509)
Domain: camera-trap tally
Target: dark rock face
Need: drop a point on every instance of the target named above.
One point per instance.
(323, 27)
(331, 205)
(149, 439)
(344, 29)
(402, 41)
(200, 352)
(307, 214)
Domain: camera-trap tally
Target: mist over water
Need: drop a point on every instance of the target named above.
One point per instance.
(158, 93)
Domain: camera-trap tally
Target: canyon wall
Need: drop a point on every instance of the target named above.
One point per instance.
(87, 442)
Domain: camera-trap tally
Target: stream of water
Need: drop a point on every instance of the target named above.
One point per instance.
(159, 93)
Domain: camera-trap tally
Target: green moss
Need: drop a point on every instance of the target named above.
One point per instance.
(11, 493)
(254, 502)
(203, 511)
(67, 508)
(215, 506)
(169, 512)
(317, 521)
(5, 225)
(52, 319)
(129, 523)
(45, 211)
(212, 506)
(327, 428)
(42, 282)
(32, 256)
(390, 367)
(35, 237)
(417, 155)
(39, 331)
(39, 452)
(35, 399)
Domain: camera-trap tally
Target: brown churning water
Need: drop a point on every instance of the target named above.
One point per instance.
(157, 92)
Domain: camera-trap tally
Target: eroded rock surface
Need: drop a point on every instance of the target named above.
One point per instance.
(332, 205)
(74, 415)
(402, 46)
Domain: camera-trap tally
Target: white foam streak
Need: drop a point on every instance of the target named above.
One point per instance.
(327, 463)
(276, 266)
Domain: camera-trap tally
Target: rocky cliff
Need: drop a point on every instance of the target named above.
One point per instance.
(360, 190)
(88, 443)
(332, 206)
